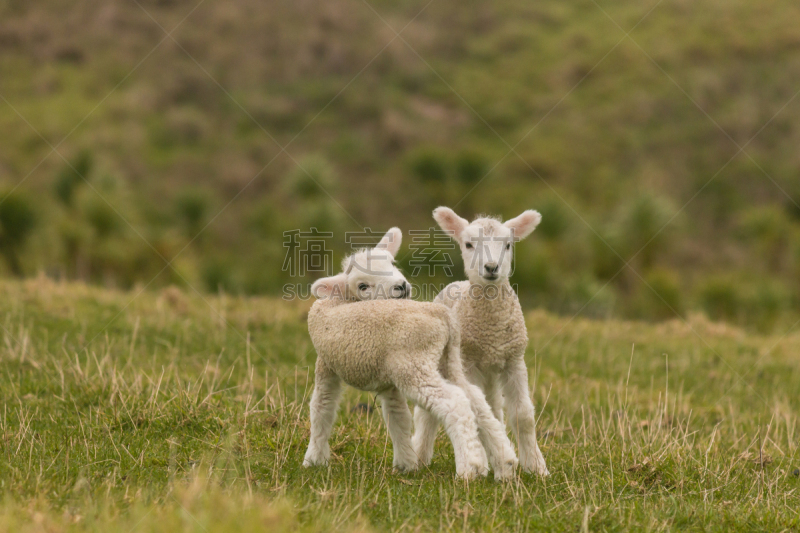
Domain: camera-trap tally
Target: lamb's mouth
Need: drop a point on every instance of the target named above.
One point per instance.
(404, 290)
(491, 278)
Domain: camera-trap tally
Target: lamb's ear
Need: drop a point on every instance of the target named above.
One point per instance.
(450, 222)
(523, 225)
(391, 241)
(332, 287)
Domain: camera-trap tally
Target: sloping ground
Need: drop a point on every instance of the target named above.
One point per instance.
(168, 411)
(613, 136)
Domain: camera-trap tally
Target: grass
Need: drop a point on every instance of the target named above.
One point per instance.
(175, 412)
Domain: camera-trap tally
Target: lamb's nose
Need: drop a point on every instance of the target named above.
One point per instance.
(491, 268)
(401, 290)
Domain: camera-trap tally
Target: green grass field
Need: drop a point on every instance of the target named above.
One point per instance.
(174, 412)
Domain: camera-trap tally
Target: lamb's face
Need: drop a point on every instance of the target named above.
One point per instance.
(487, 244)
(486, 247)
(372, 275)
(368, 274)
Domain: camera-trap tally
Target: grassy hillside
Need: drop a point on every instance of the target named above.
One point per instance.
(166, 412)
(688, 124)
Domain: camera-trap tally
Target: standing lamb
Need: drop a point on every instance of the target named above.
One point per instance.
(399, 349)
(493, 332)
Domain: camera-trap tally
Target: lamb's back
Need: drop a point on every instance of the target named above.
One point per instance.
(365, 343)
(452, 293)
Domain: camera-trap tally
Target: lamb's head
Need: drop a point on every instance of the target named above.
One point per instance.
(487, 243)
(368, 274)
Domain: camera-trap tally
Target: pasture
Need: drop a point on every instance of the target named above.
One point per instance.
(172, 411)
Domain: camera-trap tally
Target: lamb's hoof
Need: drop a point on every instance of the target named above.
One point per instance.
(538, 467)
(403, 468)
(312, 460)
(532, 461)
(473, 469)
(424, 456)
(426, 461)
(482, 470)
(505, 470)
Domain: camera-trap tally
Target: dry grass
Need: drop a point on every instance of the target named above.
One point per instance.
(179, 413)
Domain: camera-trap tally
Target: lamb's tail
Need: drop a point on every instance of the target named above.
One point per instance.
(451, 359)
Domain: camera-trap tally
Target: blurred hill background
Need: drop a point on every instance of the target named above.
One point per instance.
(124, 146)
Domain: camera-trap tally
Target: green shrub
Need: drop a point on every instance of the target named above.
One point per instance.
(533, 269)
(217, 275)
(765, 303)
(74, 234)
(720, 201)
(102, 217)
(71, 177)
(324, 215)
(768, 229)
(659, 297)
(587, 297)
(192, 206)
(605, 262)
(721, 298)
(265, 219)
(794, 257)
(17, 220)
(429, 166)
(471, 167)
(760, 304)
(644, 229)
(767, 223)
(555, 219)
(312, 177)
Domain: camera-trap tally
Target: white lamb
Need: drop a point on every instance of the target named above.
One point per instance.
(399, 349)
(493, 332)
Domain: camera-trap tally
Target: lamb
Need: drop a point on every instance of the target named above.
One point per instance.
(370, 336)
(493, 332)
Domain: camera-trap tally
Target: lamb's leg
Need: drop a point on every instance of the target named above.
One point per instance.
(521, 416)
(494, 396)
(324, 402)
(425, 428)
(490, 427)
(492, 433)
(398, 422)
(450, 404)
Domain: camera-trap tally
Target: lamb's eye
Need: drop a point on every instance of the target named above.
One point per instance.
(362, 286)
(468, 245)
(508, 246)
